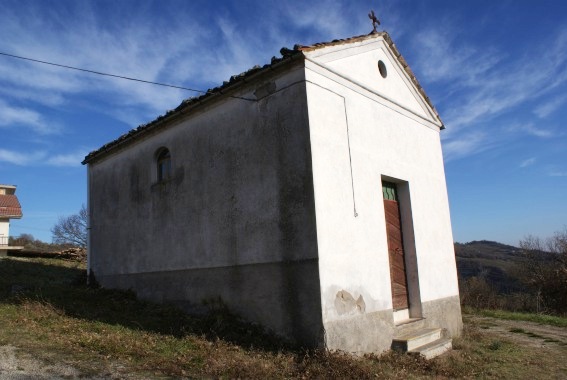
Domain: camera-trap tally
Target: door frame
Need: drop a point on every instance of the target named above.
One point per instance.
(409, 245)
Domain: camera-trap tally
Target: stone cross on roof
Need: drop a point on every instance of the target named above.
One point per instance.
(375, 21)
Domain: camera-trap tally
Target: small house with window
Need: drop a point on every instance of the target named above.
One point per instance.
(308, 195)
(10, 208)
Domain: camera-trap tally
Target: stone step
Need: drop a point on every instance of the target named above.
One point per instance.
(416, 339)
(406, 327)
(433, 349)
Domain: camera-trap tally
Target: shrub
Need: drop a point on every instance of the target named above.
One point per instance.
(545, 271)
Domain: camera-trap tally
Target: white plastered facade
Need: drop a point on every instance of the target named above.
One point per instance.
(364, 129)
(4, 228)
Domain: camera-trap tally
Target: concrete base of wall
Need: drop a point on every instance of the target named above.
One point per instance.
(368, 332)
(283, 297)
(444, 313)
(374, 332)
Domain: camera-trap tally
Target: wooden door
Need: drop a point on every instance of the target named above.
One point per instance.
(395, 247)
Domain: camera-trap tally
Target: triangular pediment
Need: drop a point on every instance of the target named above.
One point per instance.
(373, 63)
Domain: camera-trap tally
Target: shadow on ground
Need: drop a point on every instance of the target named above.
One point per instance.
(63, 285)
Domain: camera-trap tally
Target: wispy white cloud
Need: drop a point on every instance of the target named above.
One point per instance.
(23, 94)
(443, 58)
(238, 47)
(465, 145)
(136, 51)
(477, 81)
(477, 88)
(153, 49)
(11, 117)
(308, 15)
(19, 158)
(236, 53)
(42, 158)
(557, 173)
(478, 85)
(71, 159)
(528, 162)
(530, 129)
(550, 106)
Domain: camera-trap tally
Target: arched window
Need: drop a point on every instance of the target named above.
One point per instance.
(163, 161)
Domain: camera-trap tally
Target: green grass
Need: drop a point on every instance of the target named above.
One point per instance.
(543, 319)
(48, 312)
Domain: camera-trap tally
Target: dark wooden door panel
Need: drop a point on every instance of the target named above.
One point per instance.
(400, 300)
(396, 253)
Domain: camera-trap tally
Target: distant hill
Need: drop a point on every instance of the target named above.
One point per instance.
(494, 261)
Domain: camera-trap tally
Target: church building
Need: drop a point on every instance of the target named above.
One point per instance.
(308, 195)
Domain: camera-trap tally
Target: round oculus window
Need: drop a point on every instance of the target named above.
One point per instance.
(382, 69)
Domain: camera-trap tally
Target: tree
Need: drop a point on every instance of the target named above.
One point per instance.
(22, 240)
(545, 270)
(71, 229)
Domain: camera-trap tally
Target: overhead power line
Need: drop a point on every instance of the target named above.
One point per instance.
(106, 74)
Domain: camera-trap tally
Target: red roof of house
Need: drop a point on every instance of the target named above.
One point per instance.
(10, 206)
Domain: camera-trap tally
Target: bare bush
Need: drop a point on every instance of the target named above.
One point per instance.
(478, 293)
(31, 244)
(545, 270)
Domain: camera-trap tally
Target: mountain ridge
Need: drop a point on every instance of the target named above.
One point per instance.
(496, 262)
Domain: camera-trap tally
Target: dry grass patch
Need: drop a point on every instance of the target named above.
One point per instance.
(46, 311)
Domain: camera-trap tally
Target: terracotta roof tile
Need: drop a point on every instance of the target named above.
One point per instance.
(10, 206)
(349, 40)
(287, 56)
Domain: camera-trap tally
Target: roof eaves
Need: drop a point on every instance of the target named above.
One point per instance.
(189, 104)
(319, 45)
(412, 76)
(238, 80)
(11, 212)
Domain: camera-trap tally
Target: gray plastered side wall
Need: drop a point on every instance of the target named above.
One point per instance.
(278, 295)
(240, 196)
(241, 184)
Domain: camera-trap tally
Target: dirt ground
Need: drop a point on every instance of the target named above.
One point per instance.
(526, 333)
(548, 343)
(21, 367)
(17, 365)
(548, 340)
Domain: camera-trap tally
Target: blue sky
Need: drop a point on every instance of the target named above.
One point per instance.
(495, 70)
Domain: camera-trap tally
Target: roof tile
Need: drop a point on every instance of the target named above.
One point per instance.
(10, 206)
